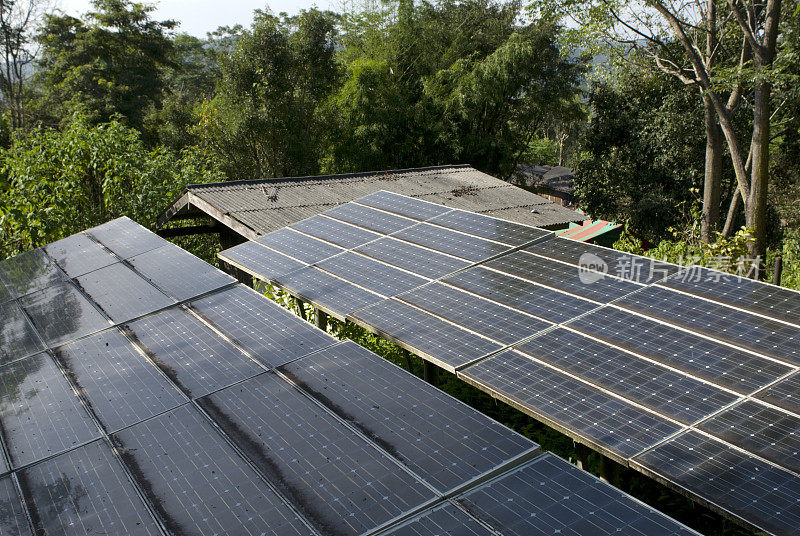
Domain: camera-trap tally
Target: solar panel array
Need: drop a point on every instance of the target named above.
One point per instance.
(142, 391)
(633, 357)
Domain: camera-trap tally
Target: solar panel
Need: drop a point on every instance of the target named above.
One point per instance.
(179, 273)
(443, 520)
(594, 286)
(121, 293)
(402, 205)
(404, 415)
(78, 254)
(336, 232)
(506, 232)
(485, 317)
(125, 237)
(28, 272)
(658, 388)
(415, 259)
(720, 364)
(84, 491)
(606, 422)
(13, 520)
(467, 247)
(784, 394)
(591, 257)
(5, 294)
(542, 302)
(336, 296)
(61, 313)
(768, 300)
(440, 342)
(120, 386)
(781, 341)
(376, 276)
(741, 485)
(39, 412)
(18, 339)
(196, 481)
(189, 353)
(268, 332)
(301, 247)
(259, 261)
(334, 477)
(369, 218)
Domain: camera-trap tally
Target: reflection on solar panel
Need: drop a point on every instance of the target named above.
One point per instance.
(487, 318)
(369, 218)
(13, 520)
(60, 313)
(761, 494)
(334, 295)
(119, 384)
(784, 394)
(197, 483)
(18, 339)
(78, 254)
(768, 300)
(377, 397)
(415, 259)
(442, 343)
(260, 327)
(84, 491)
(374, 275)
(402, 205)
(40, 413)
(125, 237)
(591, 257)
(259, 261)
(28, 272)
(333, 476)
(336, 232)
(447, 519)
(467, 247)
(608, 423)
(300, 247)
(506, 232)
(121, 293)
(781, 341)
(179, 273)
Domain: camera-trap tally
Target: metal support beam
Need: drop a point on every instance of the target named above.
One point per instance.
(321, 320)
(582, 455)
(429, 372)
(301, 306)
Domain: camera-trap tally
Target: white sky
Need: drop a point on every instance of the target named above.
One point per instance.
(197, 17)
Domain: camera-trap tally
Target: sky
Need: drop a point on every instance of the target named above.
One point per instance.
(197, 17)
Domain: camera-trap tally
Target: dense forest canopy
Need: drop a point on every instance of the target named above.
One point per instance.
(114, 112)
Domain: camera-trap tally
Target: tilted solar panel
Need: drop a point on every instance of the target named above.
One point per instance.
(78, 254)
(334, 231)
(18, 339)
(373, 275)
(505, 232)
(13, 520)
(125, 237)
(29, 272)
(369, 218)
(415, 259)
(259, 261)
(402, 205)
(470, 248)
(299, 246)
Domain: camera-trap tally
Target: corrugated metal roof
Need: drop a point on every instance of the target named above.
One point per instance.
(266, 205)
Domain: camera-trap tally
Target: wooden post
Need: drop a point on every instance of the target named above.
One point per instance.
(321, 320)
(429, 372)
(407, 356)
(301, 306)
(609, 471)
(776, 277)
(582, 455)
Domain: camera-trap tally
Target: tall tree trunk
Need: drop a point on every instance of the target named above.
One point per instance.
(712, 185)
(756, 207)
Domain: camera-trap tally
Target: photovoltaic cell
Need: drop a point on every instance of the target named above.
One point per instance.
(18, 339)
(717, 321)
(267, 331)
(419, 260)
(179, 273)
(660, 389)
(5, 294)
(338, 297)
(768, 300)
(120, 386)
(196, 481)
(506, 232)
(448, 346)
(784, 394)
(568, 404)
(766, 432)
(121, 293)
(539, 301)
(299, 246)
(334, 231)
(28, 272)
(402, 205)
(369, 218)
(594, 286)
(623, 265)
(125, 237)
(261, 262)
(550, 496)
(405, 416)
(13, 520)
(720, 364)
(84, 491)
(485, 317)
(467, 247)
(341, 482)
(441, 521)
(373, 275)
(61, 313)
(40, 413)
(746, 487)
(192, 355)
(78, 254)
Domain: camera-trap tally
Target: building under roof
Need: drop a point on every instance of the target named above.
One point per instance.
(256, 207)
